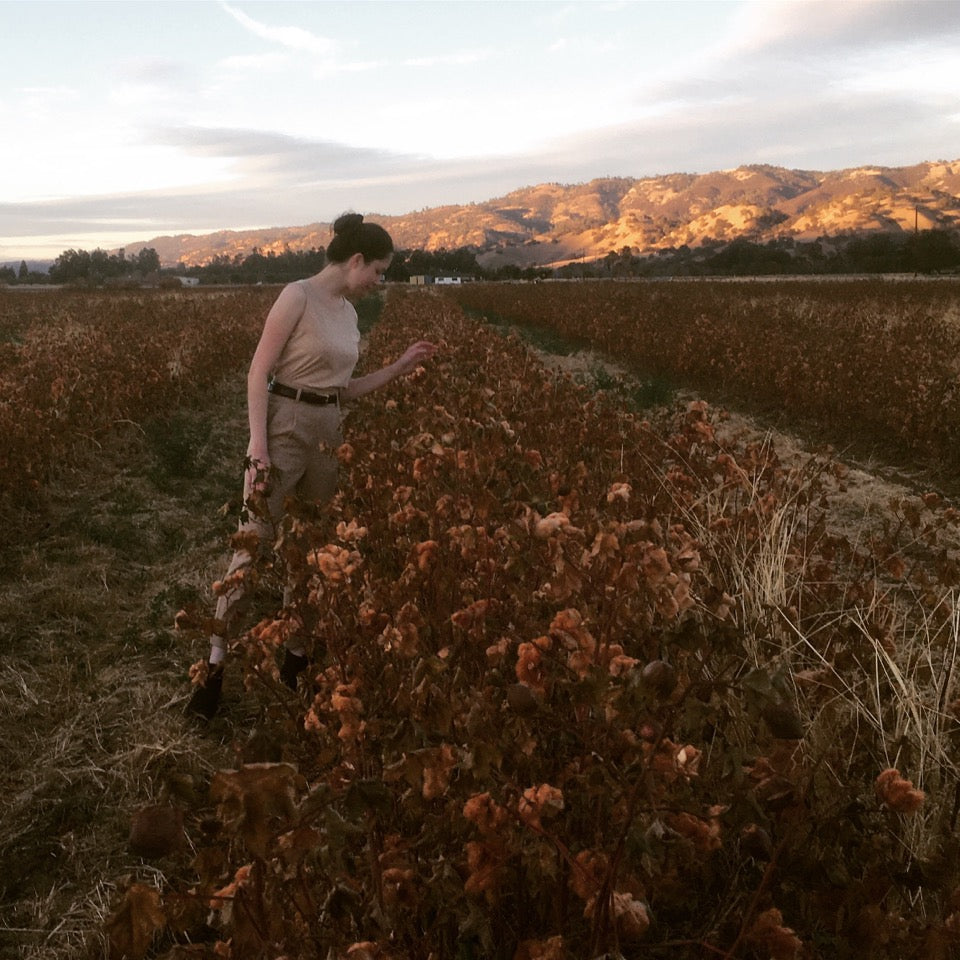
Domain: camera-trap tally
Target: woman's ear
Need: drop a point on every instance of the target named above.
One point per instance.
(357, 260)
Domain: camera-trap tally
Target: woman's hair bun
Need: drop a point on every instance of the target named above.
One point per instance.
(351, 236)
(347, 223)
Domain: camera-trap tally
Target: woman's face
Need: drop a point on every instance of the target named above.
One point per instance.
(365, 277)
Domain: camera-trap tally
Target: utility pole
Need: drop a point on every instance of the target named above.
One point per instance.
(916, 238)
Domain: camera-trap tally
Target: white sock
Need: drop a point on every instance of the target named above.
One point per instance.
(217, 654)
(297, 651)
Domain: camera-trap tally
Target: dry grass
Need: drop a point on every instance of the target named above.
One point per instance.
(895, 702)
(93, 676)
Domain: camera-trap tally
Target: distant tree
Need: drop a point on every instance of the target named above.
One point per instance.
(259, 267)
(743, 258)
(8, 275)
(933, 251)
(405, 264)
(879, 253)
(24, 271)
(461, 261)
(148, 261)
(70, 267)
(218, 270)
(100, 266)
(398, 271)
(420, 262)
(79, 266)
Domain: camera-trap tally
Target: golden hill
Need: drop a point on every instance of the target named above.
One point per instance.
(552, 223)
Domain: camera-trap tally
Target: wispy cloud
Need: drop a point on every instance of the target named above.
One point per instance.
(150, 81)
(151, 70)
(793, 129)
(294, 38)
(278, 157)
(802, 64)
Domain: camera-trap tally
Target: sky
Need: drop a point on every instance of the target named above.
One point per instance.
(127, 120)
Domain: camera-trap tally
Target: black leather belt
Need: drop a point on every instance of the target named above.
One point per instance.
(282, 390)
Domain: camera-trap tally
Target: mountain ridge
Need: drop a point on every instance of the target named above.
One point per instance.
(550, 224)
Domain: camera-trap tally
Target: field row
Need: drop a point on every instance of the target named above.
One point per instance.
(873, 363)
(74, 365)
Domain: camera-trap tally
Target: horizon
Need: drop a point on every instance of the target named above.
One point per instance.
(135, 245)
(137, 121)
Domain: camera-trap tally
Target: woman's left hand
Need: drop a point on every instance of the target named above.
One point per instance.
(414, 355)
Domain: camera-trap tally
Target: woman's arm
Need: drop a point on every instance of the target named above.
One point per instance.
(281, 320)
(414, 355)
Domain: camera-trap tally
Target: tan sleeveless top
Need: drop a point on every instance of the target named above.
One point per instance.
(323, 347)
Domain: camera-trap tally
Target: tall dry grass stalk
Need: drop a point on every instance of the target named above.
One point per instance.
(893, 702)
(761, 561)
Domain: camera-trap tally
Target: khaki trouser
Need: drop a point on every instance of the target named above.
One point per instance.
(302, 441)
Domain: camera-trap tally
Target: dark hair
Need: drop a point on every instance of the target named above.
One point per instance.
(351, 236)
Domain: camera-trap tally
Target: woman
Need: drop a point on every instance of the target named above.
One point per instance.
(302, 370)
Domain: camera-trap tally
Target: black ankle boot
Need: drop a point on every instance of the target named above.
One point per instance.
(293, 665)
(206, 697)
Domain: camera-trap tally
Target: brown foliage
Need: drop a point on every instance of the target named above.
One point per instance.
(898, 793)
(84, 362)
(131, 928)
(481, 760)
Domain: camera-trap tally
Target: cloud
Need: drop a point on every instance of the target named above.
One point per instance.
(151, 70)
(292, 41)
(294, 38)
(808, 62)
(771, 46)
(799, 27)
(771, 91)
(262, 157)
(280, 181)
(795, 129)
(150, 81)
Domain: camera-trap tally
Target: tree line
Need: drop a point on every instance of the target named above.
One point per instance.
(922, 252)
(289, 265)
(92, 268)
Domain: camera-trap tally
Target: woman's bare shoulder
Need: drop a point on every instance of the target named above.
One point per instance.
(295, 292)
(290, 301)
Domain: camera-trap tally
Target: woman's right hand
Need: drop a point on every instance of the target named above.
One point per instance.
(255, 477)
